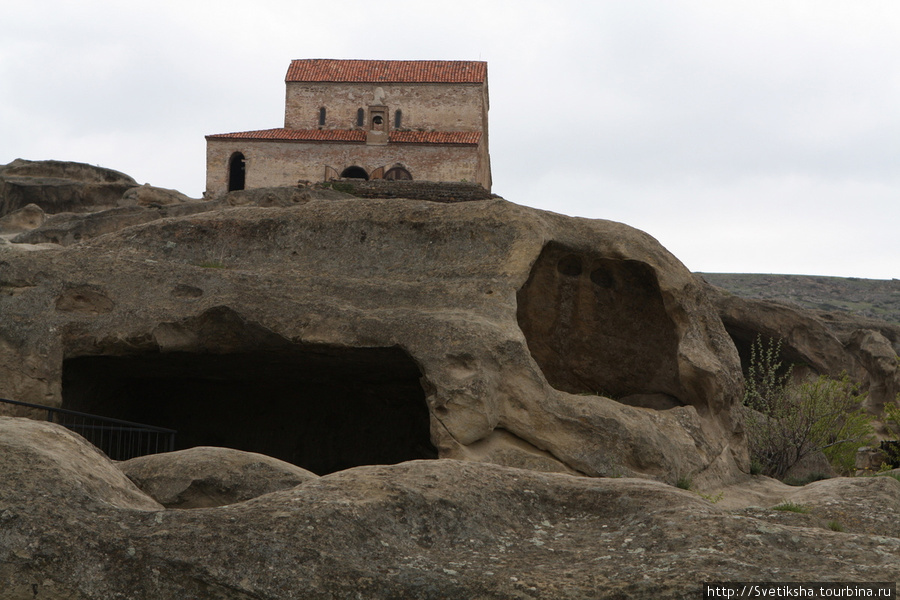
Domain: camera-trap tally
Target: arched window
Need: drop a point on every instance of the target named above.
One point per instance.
(237, 172)
(398, 119)
(321, 116)
(355, 173)
(360, 118)
(398, 173)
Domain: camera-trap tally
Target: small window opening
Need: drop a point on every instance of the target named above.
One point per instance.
(398, 119)
(237, 172)
(378, 120)
(321, 116)
(360, 118)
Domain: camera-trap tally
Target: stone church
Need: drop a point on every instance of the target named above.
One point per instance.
(367, 119)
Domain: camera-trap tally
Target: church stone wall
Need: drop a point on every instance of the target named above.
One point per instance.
(429, 107)
(270, 163)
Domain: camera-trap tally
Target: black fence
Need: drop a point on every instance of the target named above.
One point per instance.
(118, 439)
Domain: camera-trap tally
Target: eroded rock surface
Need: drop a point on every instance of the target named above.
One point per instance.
(59, 186)
(204, 476)
(821, 343)
(413, 329)
(447, 529)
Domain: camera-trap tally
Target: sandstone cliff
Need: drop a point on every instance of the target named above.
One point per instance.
(333, 331)
(567, 372)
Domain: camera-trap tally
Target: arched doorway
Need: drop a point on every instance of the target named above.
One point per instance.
(355, 173)
(237, 172)
(398, 173)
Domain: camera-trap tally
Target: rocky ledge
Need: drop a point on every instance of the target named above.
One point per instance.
(73, 526)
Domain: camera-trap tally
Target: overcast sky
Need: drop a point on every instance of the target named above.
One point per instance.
(747, 136)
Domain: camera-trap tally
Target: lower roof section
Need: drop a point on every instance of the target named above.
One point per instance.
(354, 136)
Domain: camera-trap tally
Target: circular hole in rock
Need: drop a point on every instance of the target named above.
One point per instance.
(570, 266)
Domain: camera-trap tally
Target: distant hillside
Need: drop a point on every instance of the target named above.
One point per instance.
(876, 298)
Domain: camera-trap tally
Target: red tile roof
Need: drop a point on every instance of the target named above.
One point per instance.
(435, 137)
(296, 135)
(386, 71)
(464, 138)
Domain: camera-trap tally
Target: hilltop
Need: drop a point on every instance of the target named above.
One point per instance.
(874, 298)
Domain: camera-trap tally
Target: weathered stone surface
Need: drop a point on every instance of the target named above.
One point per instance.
(70, 228)
(424, 529)
(57, 186)
(436, 313)
(878, 357)
(205, 476)
(152, 197)
(51, 465)
(861, 505)
(269, 196)
(28, 217)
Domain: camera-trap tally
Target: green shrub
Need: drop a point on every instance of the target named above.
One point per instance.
(683, 483)
(835, 526)
(790, 420)
(791, 507)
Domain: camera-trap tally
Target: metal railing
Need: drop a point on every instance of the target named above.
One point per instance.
(118, 439)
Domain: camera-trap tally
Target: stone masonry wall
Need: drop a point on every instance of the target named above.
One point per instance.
(273, 164)
(429, 107)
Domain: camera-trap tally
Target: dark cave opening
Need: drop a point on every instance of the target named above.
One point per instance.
(322, 408)
(744, 338)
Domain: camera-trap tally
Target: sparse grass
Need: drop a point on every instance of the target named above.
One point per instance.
(340, 186)
(791, 507)
(683, 483)
(712, 498)
(835, 526)
(212, 264)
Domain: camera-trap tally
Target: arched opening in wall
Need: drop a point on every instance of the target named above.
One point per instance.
(397, 174)
(598, 325)
(398, 119)
(354, 173)
(237, 172)
(324, 408)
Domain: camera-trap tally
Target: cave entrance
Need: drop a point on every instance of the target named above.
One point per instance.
(322, 408)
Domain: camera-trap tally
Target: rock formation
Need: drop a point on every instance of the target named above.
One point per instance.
(404, 329)
(203, 477)
(57, 186)
(821, 343)
(565, 371)
(74, 527)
